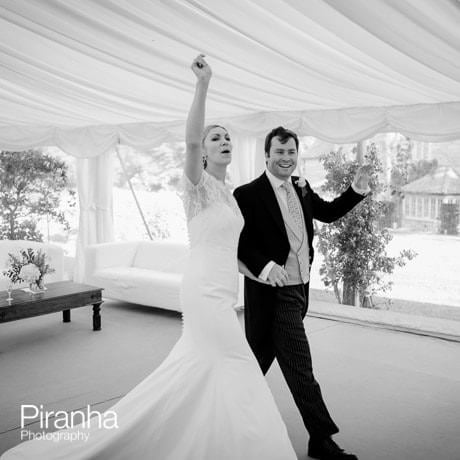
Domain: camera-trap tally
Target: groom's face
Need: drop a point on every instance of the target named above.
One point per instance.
(282, 158)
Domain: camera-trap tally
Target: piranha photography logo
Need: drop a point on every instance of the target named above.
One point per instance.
(73, 425)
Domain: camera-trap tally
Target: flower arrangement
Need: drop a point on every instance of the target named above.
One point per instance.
(29, 273)
(29, 266)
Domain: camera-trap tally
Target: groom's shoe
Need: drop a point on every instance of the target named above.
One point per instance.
(327, 449)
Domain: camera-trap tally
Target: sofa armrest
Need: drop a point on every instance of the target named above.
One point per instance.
(105, 255)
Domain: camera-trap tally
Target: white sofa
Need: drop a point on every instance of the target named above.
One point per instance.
(141, 272)
(55, 257)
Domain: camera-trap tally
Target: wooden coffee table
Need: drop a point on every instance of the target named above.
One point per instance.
(60, 296)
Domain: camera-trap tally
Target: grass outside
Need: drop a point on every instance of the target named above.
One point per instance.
(433, 276)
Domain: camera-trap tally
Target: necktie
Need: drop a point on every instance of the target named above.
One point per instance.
(293, 205)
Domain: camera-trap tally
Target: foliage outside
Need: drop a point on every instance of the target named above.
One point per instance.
(153, 174)
(405, 170)
(354, 247)
(152, 170)
(33, 185)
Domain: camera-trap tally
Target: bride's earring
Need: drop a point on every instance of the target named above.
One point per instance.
(205, 161)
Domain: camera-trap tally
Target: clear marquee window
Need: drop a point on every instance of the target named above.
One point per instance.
(425, 201)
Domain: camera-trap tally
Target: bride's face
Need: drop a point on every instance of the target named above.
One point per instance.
(218, 146)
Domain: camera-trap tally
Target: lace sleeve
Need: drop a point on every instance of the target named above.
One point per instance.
(195, 197)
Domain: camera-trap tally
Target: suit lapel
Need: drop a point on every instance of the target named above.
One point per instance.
(269, 199)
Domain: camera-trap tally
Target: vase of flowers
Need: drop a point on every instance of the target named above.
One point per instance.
(29, 266)
(30, 274)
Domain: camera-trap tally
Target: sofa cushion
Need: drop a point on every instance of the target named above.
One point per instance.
(141, 286)
(163, 256)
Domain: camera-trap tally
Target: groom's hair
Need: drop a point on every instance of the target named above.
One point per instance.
(283, 135)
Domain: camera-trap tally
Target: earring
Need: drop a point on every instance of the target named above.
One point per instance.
(205, 161)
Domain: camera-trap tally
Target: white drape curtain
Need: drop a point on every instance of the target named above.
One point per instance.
(423, 122)
(95, 192)
(248, 159)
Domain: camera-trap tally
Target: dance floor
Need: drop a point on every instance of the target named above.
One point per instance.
(395, 395)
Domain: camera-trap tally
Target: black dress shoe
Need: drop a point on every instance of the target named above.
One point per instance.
(327, 449)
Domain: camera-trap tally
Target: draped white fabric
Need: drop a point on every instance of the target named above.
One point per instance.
(248, 159)
(95, 185)
(85, 75)
(424, 122)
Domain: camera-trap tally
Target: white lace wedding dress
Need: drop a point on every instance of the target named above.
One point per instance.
(208, 400)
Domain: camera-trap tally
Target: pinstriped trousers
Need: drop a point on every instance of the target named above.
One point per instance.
(284, 338)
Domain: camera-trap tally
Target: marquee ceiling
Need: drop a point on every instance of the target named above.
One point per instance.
(76, 63)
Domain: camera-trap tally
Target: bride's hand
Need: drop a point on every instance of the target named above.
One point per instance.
(201, 68)
(244, 270)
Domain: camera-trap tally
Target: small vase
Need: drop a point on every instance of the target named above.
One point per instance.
(36, 287)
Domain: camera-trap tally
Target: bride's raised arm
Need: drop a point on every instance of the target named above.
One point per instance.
(195, 121)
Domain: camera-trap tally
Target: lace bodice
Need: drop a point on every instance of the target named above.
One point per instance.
(208, 191)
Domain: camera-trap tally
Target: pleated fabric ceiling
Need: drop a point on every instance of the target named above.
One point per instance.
(86, 75)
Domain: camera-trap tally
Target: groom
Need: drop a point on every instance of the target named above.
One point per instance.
(276, 246)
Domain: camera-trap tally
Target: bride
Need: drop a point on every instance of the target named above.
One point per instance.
(208, 400)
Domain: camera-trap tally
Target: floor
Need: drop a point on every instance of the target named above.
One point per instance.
(395, 396)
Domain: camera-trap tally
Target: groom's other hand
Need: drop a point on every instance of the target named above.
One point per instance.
(277, 276)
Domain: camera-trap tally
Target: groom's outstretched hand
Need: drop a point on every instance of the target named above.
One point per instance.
(278, 276)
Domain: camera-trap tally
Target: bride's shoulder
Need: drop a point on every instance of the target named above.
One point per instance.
(186, 184)
(197, 197)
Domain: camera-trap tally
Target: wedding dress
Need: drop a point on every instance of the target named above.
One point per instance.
(208, 400)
